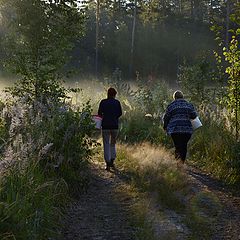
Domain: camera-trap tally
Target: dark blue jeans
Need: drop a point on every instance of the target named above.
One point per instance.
(180, 141)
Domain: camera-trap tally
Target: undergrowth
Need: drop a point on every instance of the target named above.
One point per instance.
(30, 204)
(214, 149)
(153, 170)
(43, 164)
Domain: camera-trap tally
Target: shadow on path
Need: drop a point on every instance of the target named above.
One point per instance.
(228, 225)
(100, 214)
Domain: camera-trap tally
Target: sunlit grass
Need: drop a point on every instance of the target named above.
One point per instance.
(6, 82)
(152, 171)
(214, 149)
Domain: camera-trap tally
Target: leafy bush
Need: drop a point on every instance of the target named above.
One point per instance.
(137, 128)
(28, 203)
(69, 133)
(215, 149)
(46, 151)
(152, 99)
(194, 81)
(47, 139)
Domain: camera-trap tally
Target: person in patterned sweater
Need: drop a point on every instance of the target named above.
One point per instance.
(177, 124)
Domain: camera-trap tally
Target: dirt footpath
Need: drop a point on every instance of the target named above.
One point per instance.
(104, 214)
(228, 224)
(100, 214)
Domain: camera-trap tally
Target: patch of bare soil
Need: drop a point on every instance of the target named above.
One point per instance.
(99, 214)
(227, 225)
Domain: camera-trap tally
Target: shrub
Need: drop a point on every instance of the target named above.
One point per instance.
(137, 128)
(214, 148)
(28, 203)
(46, 151)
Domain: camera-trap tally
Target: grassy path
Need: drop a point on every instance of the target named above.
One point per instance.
(101, 213)
(227, 225)
(148, 197)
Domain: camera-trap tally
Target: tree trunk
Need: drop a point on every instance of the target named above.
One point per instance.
(180, 6)
(133, 39)
(227, 22)
(192, 9)
(97, 37)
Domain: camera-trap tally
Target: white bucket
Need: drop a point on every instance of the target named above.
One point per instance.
(196, 123)
(98, 121)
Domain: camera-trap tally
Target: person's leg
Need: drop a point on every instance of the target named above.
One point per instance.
(106, 147)
(177, 144)
(180, 142)
(185, 137)
(113, 140)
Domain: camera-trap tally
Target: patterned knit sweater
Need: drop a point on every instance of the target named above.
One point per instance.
(177, 117)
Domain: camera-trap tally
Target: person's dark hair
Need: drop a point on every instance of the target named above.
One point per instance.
(111, 92)
(177, 94)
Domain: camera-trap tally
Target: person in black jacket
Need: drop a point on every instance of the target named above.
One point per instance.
(110, 110)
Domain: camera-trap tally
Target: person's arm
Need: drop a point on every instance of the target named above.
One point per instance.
(166, 119)
(192, 113)
(100, 109)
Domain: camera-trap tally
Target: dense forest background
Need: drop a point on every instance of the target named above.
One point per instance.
(149, 39)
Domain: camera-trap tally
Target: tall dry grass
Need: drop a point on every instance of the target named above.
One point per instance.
(44, 148)
(154, 171)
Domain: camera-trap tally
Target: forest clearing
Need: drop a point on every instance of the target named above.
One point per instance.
(64, 62)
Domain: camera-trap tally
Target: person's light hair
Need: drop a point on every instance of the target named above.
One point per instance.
(177, 94)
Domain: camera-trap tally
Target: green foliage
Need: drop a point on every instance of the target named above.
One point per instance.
(152, 98)
(195, 79)
(70, 132)
(219, 154)
(46, 151)
(166, 33)
(28, 204)
(137, 128)
(232, 56)
(38, 49)
(47, 139)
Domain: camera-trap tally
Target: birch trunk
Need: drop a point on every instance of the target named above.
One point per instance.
(97, 37)
(133, 38)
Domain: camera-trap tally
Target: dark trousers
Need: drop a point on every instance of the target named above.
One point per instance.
(180, 141)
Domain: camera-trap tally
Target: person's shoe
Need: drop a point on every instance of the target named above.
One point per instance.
(112, 163)
(107, 167)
